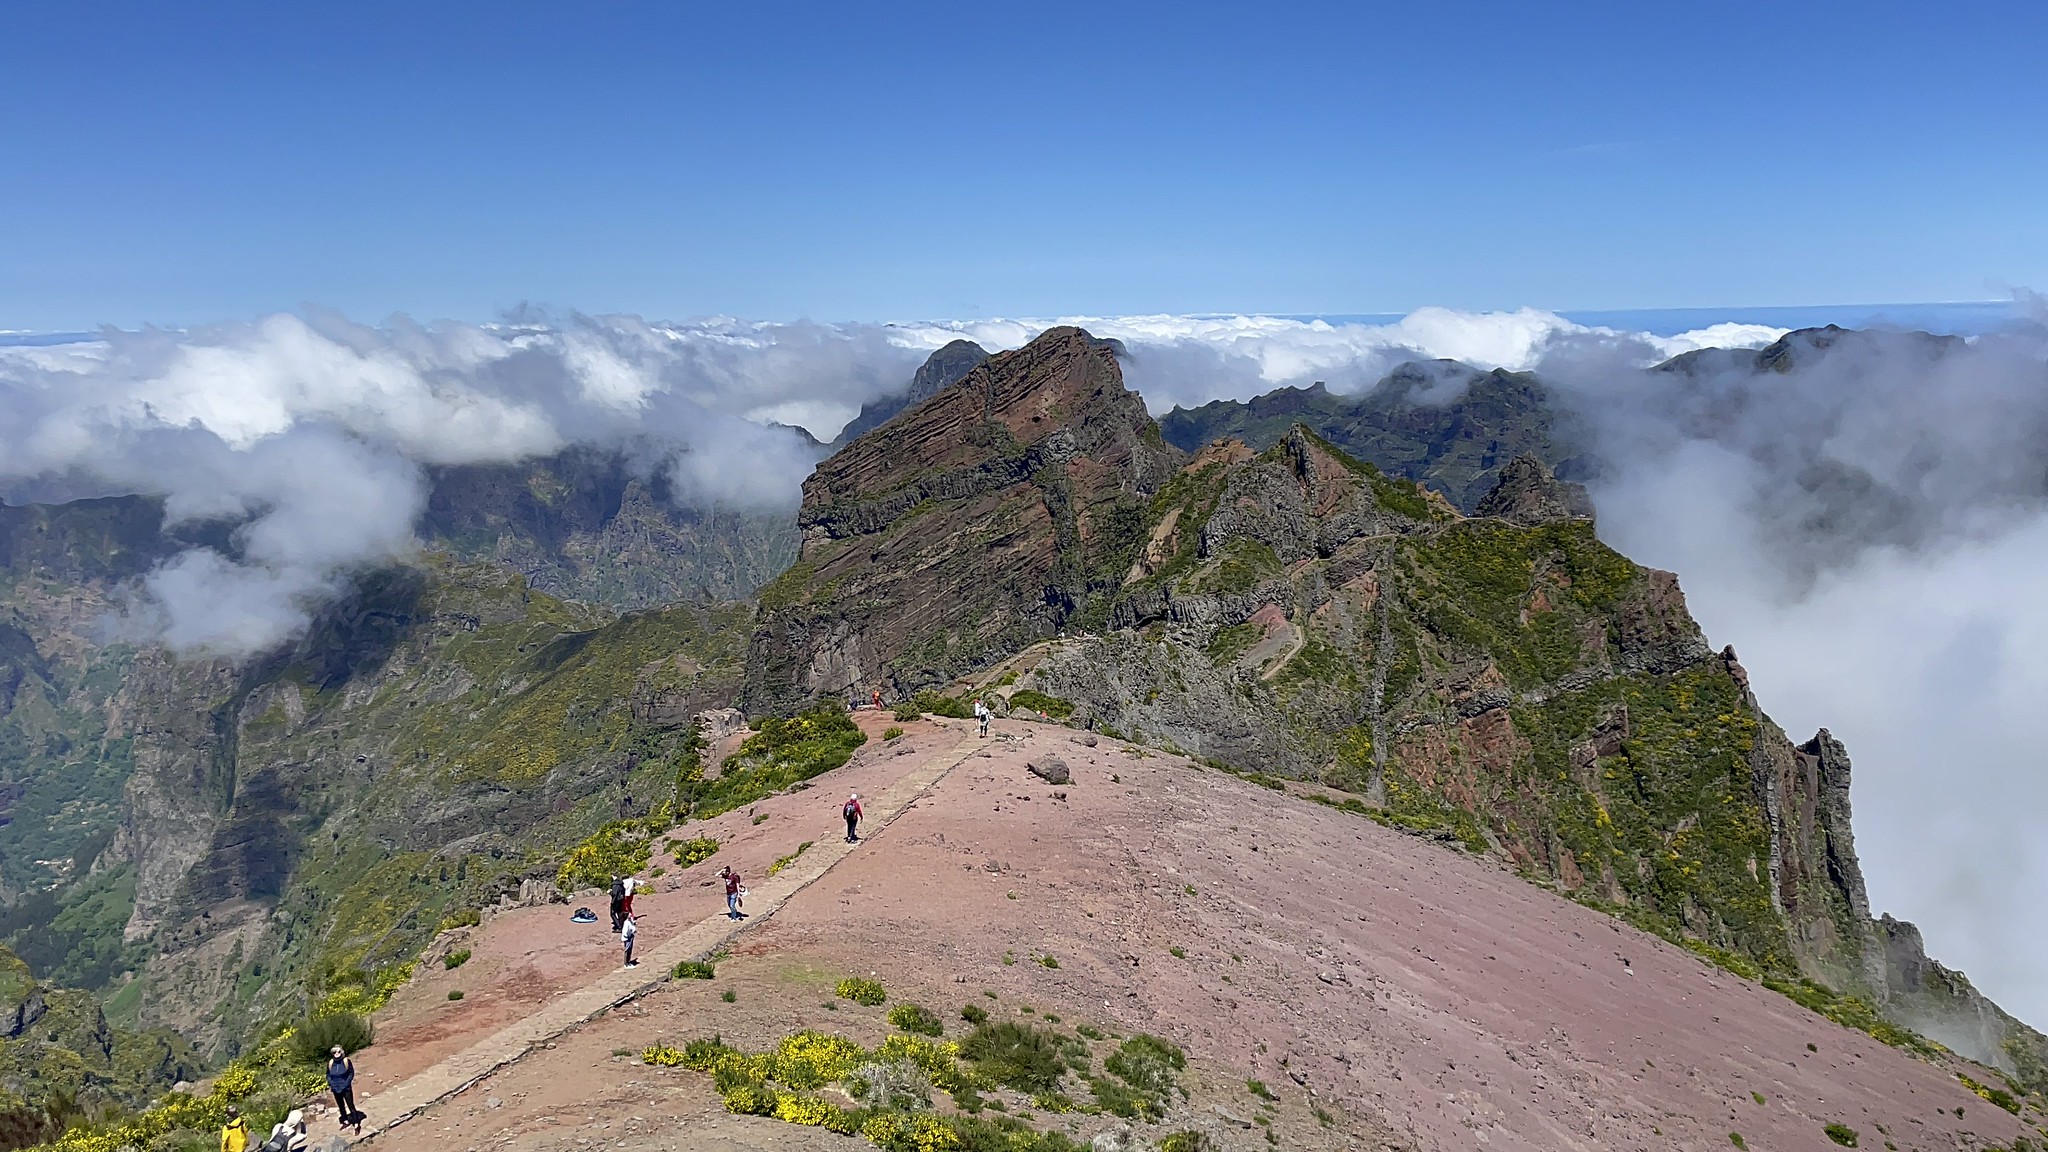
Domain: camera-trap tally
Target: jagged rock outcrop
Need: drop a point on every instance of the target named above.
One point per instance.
(1941, 1004)
(941, 370)
(1529, 494)
(1440, 422)
(986, 518)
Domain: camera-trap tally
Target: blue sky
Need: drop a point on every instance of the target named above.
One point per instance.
(862, 162)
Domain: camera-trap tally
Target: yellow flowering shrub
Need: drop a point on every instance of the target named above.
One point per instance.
(814, 1059)
(933, 1056)
(806, 1110)
(861, 990)
(751, 1100)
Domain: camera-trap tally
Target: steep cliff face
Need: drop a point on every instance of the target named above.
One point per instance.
(988, 517)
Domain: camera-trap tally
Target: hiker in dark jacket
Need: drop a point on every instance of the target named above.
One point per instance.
(851, 810)
(341, 1080)
(618, 903)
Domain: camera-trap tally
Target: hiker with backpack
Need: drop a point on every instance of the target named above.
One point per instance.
(981, 715)
(341, 1080)
(732, 894)
(234, 1135)
(289, 1135)
(626, 935)
(618, 903)
(851, 810)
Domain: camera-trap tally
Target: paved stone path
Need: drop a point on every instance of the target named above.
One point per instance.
(407, 1099)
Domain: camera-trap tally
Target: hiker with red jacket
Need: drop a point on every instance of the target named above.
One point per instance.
(732, 894)
(852, 812)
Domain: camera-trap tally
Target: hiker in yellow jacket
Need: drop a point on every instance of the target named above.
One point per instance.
(234, 1135)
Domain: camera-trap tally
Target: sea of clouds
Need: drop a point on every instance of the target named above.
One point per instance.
(1868, 528)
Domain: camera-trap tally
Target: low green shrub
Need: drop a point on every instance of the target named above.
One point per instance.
(1147, 1063)
(951, 707)
(694, 851)
(692, 970)
(917, 1019)
(1030, 1060)
(1051, 706)
(312, 1039)
(456, 959)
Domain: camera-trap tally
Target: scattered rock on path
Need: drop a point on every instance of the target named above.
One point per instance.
(1050, 769)
(1085, 738)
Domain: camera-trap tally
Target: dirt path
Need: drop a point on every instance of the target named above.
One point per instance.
(395, 1105)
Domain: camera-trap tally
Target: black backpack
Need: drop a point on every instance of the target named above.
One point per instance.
(850, 809)
(618, 890)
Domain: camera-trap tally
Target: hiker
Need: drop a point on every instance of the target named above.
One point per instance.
(852, 813)
(626, 935)
(626, 905)
(981, 714)
(876, 699)
(732, 894)
(341, 1080)
(289, 1135)
(234, 1135)
(618, 903)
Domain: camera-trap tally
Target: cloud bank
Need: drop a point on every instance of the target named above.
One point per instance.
(1867, 525)
(312, 433)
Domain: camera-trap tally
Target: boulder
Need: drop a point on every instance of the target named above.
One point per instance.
(1050, 769)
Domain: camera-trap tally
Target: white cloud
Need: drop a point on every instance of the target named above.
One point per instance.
(311, 432)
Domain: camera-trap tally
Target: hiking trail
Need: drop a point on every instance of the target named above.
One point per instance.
(394, 1106)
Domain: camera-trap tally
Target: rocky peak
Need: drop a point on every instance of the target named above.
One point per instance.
(978, 521)
(941, 370)
(1529, 494)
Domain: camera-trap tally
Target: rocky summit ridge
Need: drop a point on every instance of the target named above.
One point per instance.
(1501, 680)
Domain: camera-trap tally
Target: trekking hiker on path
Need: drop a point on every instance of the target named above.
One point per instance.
(618, 903)
(341, 1080)
(876, 700)
(234, 1135)
(626, 935)
(289, 1135)
(853, 814)
(732, 894)
(981, 714)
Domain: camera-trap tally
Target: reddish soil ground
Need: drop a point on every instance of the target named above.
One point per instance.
(1418, 997)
